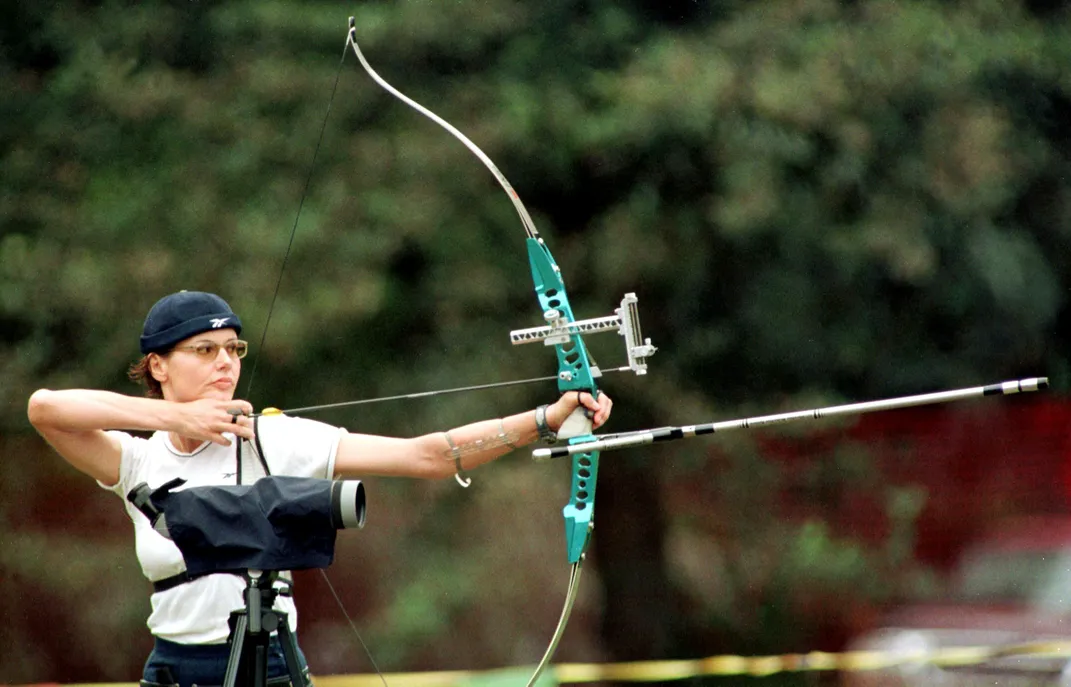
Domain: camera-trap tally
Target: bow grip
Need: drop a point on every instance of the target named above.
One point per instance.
(578, 424)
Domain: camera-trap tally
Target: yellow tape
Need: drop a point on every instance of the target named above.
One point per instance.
(713, 666)
(762, 666)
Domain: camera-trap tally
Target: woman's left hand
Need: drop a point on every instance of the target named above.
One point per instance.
(599, 407)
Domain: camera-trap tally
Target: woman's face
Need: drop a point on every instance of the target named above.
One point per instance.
(205, 365)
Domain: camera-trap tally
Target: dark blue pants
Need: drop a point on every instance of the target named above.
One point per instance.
(204, 664)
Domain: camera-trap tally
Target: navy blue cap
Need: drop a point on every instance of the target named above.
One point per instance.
(183, 314)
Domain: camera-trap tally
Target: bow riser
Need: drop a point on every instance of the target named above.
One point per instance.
(575, 373)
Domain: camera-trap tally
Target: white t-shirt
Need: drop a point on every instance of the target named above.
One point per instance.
(197, 612)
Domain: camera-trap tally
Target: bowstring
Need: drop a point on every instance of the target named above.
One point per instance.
(353, 626)
(271, 308)
(297, 220)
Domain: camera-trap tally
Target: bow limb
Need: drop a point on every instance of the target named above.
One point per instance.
(522, 211)
(575, 369)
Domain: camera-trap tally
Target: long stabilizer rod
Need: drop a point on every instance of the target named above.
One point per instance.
(651, 436)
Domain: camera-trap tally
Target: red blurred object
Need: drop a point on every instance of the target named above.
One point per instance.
(1010, 587)
(978, 463)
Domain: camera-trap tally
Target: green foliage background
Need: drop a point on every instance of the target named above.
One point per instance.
(815, 200)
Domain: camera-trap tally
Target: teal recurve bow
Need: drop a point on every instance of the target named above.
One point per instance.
(576, 371)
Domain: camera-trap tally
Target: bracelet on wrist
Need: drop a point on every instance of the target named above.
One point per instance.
(545, 432)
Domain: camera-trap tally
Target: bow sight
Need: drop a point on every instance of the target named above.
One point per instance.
(625, 321)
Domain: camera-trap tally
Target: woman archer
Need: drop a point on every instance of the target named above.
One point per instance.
(190, 366)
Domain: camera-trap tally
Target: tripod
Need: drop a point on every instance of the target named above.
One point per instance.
(251, 628)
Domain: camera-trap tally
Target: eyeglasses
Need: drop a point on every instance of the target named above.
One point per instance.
(208, 350)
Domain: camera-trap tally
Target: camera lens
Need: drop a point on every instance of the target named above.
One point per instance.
(347, 504)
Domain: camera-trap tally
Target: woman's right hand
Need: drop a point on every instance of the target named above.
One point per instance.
(207, 419)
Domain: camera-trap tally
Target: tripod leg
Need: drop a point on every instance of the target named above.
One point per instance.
(237, 644)
(298, 677)
(260, 667)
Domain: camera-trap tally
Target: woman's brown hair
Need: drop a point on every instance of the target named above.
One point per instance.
(141, 373)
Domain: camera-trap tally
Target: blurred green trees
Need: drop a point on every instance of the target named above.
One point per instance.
(813, 199)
